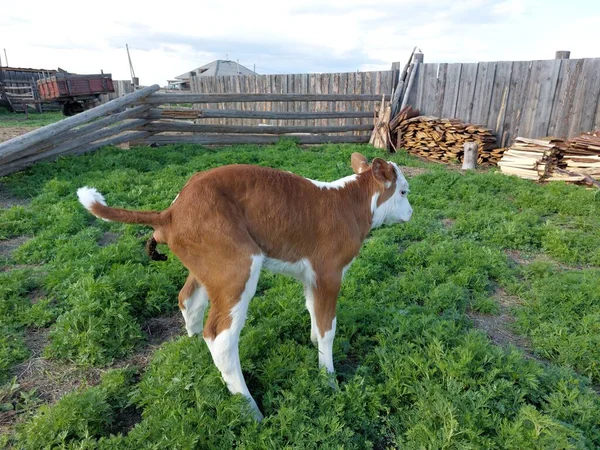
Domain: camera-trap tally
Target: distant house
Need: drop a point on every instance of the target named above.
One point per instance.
(216, 68)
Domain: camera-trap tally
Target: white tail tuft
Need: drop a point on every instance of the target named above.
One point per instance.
(89, 196)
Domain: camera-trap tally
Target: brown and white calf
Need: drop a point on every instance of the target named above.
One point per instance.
(229, 222)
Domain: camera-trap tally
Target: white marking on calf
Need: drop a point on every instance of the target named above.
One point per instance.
(224, 348)
(193, 314)
(394, 209)
(88, 196)
(346, 268)
(301, 270)
(326, 348)
(337, 184)
(310, 306)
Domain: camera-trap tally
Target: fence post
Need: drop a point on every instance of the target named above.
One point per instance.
(418, 57)
(562, 54)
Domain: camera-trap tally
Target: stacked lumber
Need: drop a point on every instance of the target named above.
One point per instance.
(531, 158)
(442, 139)
(580, 159)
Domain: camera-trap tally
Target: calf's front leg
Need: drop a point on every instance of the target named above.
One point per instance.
(325, 295)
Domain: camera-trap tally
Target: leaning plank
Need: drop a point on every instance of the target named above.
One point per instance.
(20, 143)
(414, 69)
(115, 140)
(159, 99)
(230, 139)
(188, 113)
(198, 128)
(79, 145)
(74, 134)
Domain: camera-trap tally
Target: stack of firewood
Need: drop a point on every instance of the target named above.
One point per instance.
(442, 139)
(531, 158)
(580, 159)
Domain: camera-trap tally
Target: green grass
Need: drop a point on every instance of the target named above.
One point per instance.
(412, 372)
(33, 120)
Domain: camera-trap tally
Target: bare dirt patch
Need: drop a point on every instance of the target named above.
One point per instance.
(53, 379)
(448, 223)
(518, 257)
(7, 200)
(413, 171)
(108, 238)
(497, 327)
(8, 246)
(7, 133)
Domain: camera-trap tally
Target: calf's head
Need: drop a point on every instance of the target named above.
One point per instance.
(389, 203)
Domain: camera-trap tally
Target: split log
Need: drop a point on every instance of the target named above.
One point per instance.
(161, 99)
(586, 179)
(80, 145)
(470, 155)
(189, 113)
(442, 140)
(74, 134)
(232, 139)
(381, 132)
(263, 129)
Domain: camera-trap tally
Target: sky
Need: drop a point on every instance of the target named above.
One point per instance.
(168, 39)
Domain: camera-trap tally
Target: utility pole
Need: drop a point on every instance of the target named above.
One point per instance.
(135, 81)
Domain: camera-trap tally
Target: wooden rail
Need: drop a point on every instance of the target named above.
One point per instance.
(141, 118)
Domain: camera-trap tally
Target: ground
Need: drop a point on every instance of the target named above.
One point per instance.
(472, 326)
(7, 133)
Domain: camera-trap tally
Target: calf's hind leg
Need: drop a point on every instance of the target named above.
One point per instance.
(193, 300)
(226, 317)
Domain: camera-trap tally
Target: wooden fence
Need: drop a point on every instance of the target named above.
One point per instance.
(122, 87)
(146, 117)
(360, 112)
(525, 98)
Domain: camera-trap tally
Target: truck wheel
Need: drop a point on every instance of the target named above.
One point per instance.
(72, 108)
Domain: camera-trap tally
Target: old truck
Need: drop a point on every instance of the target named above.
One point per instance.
(75, 93)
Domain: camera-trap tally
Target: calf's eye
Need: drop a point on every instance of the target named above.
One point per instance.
(403, 192)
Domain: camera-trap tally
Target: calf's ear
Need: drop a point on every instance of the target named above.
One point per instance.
(359, 163)
(383, 171)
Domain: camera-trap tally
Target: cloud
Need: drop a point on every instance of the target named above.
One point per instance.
(293, 37)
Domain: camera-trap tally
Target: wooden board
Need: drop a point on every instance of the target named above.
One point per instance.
(468, 78)
(591, 80)
(440, 90)
(451, 91)
(499, 99)
(519, 82)
(483, 93)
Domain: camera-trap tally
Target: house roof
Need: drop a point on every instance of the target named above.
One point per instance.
(219, 67)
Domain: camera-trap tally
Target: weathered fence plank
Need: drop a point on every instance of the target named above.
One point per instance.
(224, 139)
(519, 80)
(451, 90)
(483, 93)
(560, 116)
(440, 90)
(466, 92)
(240, 129)
(499, 97)
(189, 113)
(592, 92)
